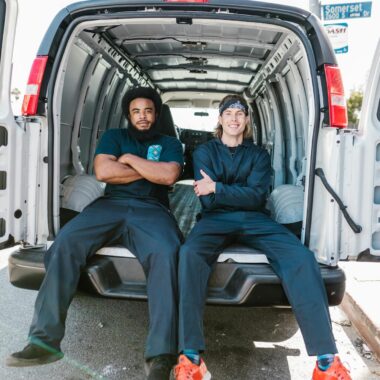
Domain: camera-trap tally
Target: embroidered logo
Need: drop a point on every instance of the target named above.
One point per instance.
(154, 152)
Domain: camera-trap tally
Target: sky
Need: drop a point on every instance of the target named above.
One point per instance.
(35, 16)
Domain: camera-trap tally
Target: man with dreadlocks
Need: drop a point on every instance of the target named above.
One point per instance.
(232, 178)
(138, 165)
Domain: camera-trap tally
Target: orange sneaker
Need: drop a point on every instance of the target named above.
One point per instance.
(187, 370)
(337, 371)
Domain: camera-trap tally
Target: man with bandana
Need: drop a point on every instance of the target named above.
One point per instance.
(138, 165)
(232, 179)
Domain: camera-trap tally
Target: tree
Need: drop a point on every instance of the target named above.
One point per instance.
(354, 105)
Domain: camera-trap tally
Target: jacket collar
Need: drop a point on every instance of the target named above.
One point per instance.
(245, 143)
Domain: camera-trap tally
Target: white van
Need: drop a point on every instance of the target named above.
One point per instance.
(326, 178)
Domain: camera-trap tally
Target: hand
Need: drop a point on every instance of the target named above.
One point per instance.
(204, 186)
(125, 158)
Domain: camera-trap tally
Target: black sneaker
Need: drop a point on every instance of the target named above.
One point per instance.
(159, 367)
(33, 355)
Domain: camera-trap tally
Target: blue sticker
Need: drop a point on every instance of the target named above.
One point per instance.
(154, 152)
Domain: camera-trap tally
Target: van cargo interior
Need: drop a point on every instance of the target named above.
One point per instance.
(193, 63)
(193, 56)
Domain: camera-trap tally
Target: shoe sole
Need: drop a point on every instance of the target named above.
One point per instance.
(206, 376)
(17, 362)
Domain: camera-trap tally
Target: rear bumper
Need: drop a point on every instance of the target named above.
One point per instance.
(122, 277)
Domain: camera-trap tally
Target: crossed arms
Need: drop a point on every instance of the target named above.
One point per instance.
(214, 194)
(129, 168)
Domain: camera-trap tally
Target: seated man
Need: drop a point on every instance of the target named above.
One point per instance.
(232, 180)
(138, 165)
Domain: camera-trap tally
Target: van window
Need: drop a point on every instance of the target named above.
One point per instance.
(200, 119)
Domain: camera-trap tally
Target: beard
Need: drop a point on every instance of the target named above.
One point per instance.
(142, 136)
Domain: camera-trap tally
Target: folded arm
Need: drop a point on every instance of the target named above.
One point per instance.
(162, 173)
(110, 170)
(215, 194)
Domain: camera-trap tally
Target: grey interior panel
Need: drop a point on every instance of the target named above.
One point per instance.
(197, 60)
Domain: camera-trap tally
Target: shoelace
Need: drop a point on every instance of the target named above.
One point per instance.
(183, 372)
(343, 371)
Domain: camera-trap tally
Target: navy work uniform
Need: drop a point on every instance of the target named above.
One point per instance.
(234, 213)
(135, 215)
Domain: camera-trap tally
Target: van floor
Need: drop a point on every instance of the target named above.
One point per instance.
(184, 205)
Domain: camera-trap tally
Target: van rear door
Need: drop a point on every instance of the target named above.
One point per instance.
(16, 161)
(8, 215)
(362, 173)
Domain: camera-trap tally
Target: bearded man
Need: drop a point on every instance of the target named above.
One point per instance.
(138, 165)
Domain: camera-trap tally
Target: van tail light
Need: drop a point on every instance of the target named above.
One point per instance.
(186, 1)
(32, 93)
(336, 99)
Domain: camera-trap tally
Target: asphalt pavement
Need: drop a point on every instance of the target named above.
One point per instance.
(105, 340)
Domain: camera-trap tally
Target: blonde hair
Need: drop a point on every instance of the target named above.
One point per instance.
(248, 132)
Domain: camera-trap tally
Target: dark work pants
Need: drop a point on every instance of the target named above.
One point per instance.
(149, 231)
(293, 263)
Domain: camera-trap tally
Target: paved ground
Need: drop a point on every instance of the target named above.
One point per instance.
(105, 341)
(361, 301)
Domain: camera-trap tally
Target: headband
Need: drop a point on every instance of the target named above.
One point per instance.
(233, 103)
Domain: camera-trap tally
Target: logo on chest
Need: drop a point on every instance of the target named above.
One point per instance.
(154, 152)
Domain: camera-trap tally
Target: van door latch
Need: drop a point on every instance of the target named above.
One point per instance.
(355, 227)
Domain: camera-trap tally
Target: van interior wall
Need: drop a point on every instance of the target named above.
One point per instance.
(95, 80)
(283, 111)
(91, 103)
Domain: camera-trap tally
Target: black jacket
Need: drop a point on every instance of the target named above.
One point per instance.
(242, 181)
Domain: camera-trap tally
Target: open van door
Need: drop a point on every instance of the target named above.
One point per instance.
(8, 215)
(362, 174)
(20, 149)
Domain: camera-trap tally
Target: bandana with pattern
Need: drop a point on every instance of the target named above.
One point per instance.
(233, 103)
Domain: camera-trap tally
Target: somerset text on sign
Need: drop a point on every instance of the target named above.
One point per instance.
(346, 10)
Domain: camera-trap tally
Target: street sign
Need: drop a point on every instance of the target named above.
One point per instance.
(338, 35)
(346, 10)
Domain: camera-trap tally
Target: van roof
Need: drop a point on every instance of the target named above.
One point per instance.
(178, 59)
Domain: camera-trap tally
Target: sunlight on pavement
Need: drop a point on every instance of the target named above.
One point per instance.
(4, 254)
